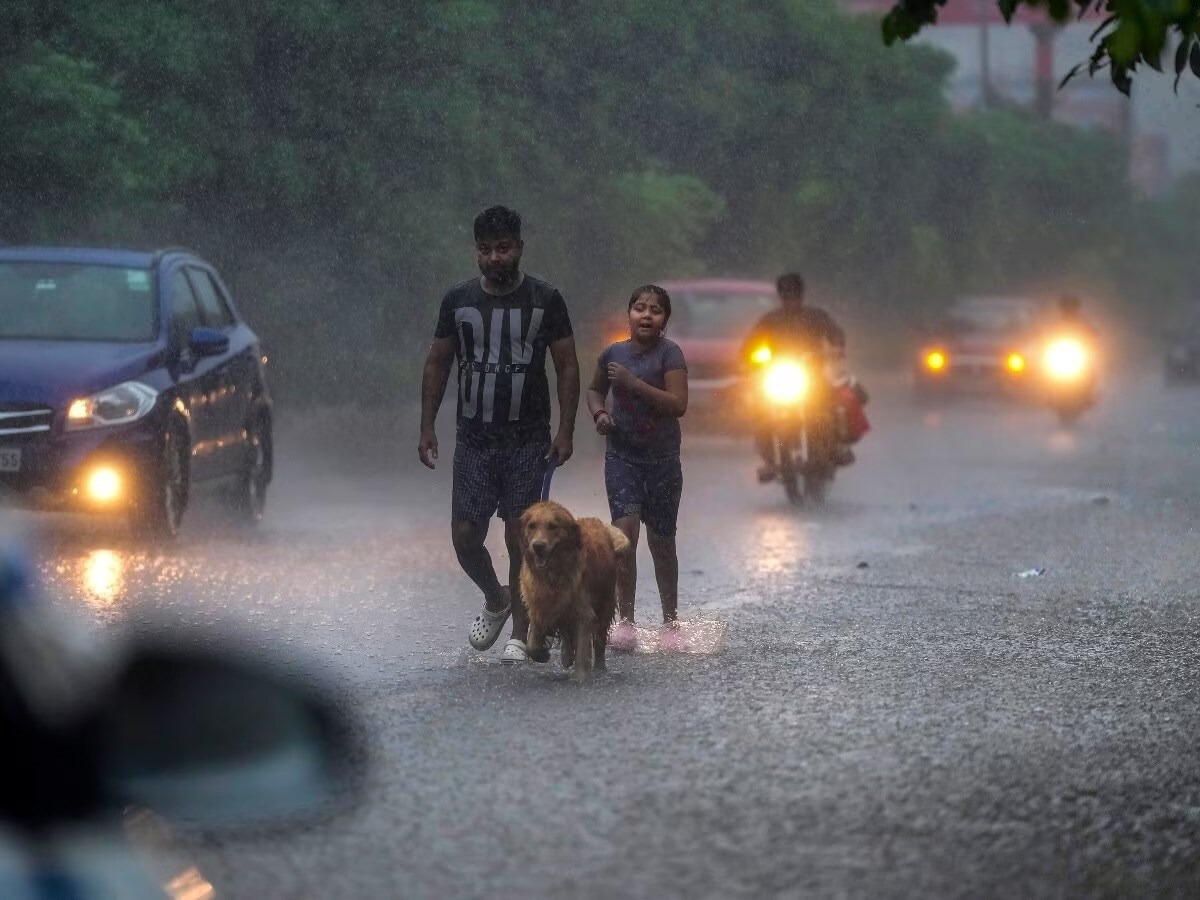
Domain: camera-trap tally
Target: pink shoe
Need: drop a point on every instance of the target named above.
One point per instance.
(671, 637)
(623, 637)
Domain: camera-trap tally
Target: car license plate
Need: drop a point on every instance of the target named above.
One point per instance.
(10, 459)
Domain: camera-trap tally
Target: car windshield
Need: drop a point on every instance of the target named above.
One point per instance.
(990, 318)
(718, 315)
(72, 302)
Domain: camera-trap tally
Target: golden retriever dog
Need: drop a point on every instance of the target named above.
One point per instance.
(569, 582)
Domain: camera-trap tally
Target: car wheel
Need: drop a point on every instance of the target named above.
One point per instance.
(251, 498)
(158, 512)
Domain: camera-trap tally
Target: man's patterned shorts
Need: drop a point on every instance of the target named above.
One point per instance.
(504, 479)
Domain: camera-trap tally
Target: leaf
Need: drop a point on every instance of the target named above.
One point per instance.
(1103, 25)
(1181, 60)
(1074, 71)
(1195, 60)
(1121, 78)
(1060, 10)
(1181, 56)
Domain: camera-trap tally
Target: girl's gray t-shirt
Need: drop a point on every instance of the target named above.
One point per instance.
(643, 433)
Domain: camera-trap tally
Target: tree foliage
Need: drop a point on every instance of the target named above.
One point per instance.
(1132, 33)
(329, 155)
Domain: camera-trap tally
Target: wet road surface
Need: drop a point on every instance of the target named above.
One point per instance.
(873, 701)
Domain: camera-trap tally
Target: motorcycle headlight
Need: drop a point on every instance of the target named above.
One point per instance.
(1066, 359)
(786, 382)
(118, 405)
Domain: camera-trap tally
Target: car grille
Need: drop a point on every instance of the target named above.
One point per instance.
(16, 421)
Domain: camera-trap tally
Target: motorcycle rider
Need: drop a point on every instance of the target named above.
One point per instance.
(1071, 320)
(796, 329)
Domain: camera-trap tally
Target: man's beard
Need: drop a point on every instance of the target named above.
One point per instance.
(502, 276)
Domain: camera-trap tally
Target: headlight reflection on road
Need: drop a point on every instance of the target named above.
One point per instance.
(778, 547)
(103, 577)
(190, 885)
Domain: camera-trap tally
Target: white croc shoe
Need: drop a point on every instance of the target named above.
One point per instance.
(514, 652)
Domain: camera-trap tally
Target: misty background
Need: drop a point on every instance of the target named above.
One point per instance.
(329, 157)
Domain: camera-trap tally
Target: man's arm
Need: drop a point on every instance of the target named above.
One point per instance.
(566, 370)
(433, 389)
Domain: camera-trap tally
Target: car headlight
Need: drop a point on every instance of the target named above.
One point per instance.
(935, 360)
(118, 405)
(786, 382)
(1066, 359)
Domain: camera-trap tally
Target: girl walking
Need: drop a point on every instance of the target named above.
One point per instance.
(647, 379)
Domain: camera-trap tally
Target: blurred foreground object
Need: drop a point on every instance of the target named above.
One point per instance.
(200, 728)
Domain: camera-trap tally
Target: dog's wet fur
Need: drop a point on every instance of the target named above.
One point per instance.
(569, 583)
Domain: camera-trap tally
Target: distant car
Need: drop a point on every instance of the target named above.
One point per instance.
(128, 379)
(980, 345)
(710, 320)
(1182, 362)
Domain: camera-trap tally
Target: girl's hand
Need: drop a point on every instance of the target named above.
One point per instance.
(620, 376)
(604, 423)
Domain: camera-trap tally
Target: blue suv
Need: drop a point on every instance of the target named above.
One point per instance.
(127, 379)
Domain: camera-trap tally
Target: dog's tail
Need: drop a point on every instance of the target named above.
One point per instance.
(620, 542)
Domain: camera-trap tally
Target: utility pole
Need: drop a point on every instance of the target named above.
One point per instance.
(1044, 34)
(985, 75)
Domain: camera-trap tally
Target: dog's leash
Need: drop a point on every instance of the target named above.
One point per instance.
(551, 465)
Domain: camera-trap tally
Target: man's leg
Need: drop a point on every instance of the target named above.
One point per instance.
(476, 490)
(520, 617)
(520, 480)
(473, 556)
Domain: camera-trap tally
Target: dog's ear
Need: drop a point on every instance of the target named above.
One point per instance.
(575, 533)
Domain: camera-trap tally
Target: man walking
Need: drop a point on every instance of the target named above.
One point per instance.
(499, 326)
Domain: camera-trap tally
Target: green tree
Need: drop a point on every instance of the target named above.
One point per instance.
(329, 155)
(1133, 33)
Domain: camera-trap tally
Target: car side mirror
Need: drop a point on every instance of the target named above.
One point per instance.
(213, 738)
(208, 341)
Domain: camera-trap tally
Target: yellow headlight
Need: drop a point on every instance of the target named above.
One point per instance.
(1066, 359)
(1015, 362)
(786, 382)
(761, 356)
(104, 485)
(935, 361)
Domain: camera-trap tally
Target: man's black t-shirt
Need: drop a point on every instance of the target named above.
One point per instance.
(800, 330)
(503, 392)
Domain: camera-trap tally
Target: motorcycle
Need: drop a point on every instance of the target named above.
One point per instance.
(1069, 376)
(795, 395)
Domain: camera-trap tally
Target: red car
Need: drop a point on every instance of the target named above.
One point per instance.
(710, 320)
(981, 345)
